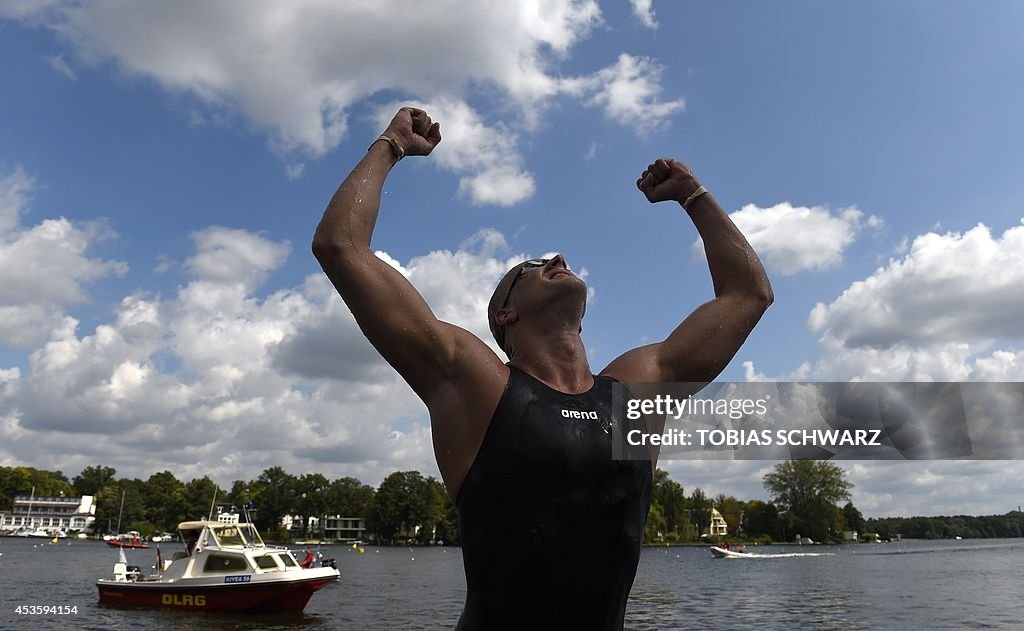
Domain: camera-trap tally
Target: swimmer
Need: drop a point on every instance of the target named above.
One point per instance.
(551, 523)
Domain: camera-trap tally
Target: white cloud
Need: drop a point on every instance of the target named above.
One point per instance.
(999, 366)
(791, 239)
(458, 285)
(46, 264)
(26, 9)
(628, 93)
(935, 314)
(14, 193)
(486, 156)
(226, 255)
(644, 12)
(935, 488)
(228, 383)
(294, 171)
(43, 267)
(295, 69)
(58, 63)
(950, 288)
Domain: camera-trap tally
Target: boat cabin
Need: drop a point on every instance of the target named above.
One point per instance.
(213, 548)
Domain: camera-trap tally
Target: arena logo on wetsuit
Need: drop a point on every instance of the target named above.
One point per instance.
(581, 414)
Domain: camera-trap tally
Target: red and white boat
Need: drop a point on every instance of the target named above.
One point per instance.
(130, 540)
(225, 567)
(730, 553)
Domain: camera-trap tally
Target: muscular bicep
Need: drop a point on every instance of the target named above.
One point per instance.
(397, 320)
(698, 349)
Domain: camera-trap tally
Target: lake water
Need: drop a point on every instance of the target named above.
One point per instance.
(974, 584)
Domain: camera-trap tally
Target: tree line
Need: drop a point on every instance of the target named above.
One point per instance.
(805, 503)
(406, 506)
(966, 526)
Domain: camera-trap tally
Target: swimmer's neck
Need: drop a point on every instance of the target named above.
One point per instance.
(556, 358)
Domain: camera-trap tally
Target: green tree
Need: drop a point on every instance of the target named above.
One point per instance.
(14, 481)
(198, 497)
(656, 526)
(312, 499)
(348, 497)
(109, 510)
(808, 490)
(18, 481)
(433, 514)
(164, 500)
(107, 499)
(92, 479)
(670, 495)
(448, 528)
(274, 496)
(700, 511)
(402, 503)
(853, 517)
(239, 493)
(761, 518)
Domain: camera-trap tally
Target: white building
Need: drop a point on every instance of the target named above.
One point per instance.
(718, 527)
(336, 527)
(52, 514)
(345, 528)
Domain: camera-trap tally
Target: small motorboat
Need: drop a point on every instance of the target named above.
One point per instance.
(225, 566)
(727, 553)
(130, 540)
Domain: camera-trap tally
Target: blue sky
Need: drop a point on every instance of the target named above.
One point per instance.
(162, 171)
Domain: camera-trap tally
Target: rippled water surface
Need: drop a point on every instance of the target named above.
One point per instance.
(909, 585)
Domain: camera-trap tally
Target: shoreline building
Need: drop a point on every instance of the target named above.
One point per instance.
(345, 529)
(336, 528)
(718, 527)
(54, 515)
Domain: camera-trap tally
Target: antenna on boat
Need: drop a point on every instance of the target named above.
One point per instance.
(246, 505)
(213, 505)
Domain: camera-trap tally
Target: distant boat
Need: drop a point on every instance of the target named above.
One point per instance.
(725, 553)
(25, 531)
(130, 540)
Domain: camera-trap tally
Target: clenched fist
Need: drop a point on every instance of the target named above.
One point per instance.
(667, 179)
(414, 131)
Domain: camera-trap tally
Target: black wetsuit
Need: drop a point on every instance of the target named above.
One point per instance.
(551, 523)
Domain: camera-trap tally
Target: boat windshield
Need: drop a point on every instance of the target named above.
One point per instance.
(241, 535)
(253, 537)
(228, 536)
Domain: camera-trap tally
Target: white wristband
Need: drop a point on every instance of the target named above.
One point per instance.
(697, 193)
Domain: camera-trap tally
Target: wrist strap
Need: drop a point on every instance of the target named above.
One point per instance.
(397, 148)
(697, 193)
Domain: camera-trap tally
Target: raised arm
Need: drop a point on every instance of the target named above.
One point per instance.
(704, 343)
(389, 310)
